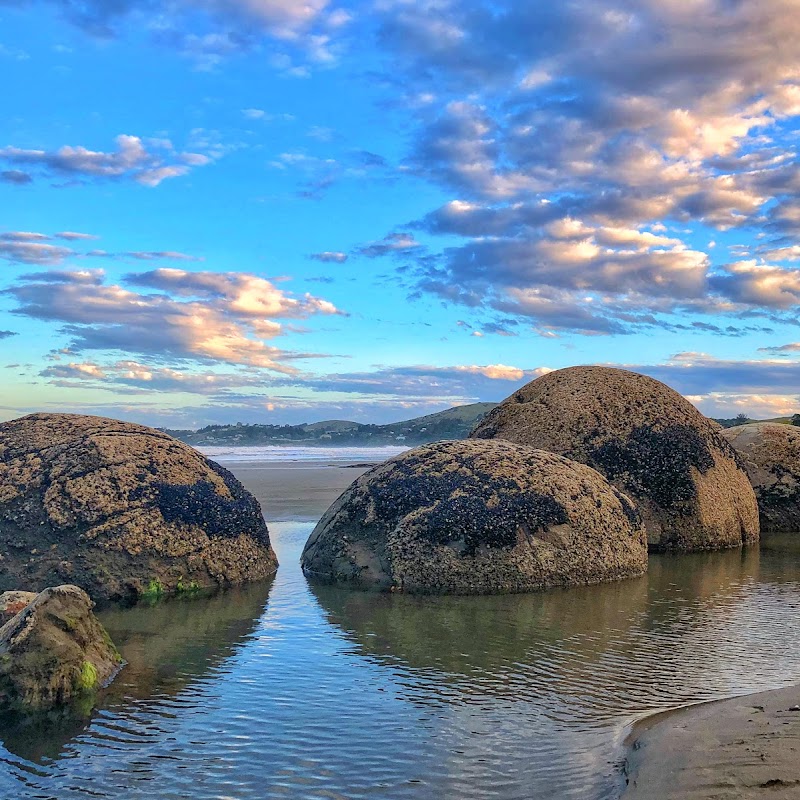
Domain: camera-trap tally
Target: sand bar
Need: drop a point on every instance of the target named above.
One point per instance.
(295, 490)
(745, 747)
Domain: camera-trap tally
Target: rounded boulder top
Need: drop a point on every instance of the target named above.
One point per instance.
(477, 517)
(771, 455)
(648, 440)
(121, 509)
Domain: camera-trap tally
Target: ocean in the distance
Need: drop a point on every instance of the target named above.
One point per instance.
(288, 453)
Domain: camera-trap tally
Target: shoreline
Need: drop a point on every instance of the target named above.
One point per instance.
(741, 747)
(297, 490)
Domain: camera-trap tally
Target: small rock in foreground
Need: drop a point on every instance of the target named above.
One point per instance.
(54, 651)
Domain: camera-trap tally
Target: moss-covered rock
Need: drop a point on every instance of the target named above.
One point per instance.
(648, 441)
(477, 517)
(117, 508)
(54, 651)
(771, 455)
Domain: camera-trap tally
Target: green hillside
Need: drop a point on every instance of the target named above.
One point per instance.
(453, 423)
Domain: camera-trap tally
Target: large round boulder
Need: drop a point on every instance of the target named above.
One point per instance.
(646, 439)
(771, 455)
(473, 517)
(120, 510)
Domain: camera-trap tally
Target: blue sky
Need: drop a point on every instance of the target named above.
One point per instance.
(264, 210)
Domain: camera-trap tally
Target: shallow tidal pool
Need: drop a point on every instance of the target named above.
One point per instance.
(286, 689)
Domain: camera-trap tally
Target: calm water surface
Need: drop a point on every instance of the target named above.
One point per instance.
(290, 690)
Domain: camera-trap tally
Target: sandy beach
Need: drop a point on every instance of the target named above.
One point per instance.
(296, 490)
(744, 747)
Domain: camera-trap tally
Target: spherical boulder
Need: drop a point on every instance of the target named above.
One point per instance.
(121, 510)
(647, 440)
(477, 517)
(771, 455)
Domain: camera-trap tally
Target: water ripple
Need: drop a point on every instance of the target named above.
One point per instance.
(285, 690)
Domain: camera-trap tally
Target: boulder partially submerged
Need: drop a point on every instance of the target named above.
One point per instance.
(53, 651)
(647, 440)
(771, 456)
(121, 510)
(477, 517)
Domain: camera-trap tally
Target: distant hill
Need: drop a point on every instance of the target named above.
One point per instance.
(453, 423)
(732, 423)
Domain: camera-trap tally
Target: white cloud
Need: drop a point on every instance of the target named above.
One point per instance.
(204, 316)
(131, 160)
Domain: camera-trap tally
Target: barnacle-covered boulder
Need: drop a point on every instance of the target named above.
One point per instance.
(648, 440)
(477, 517)
(54, 651)
(771, 455)
(120, 509)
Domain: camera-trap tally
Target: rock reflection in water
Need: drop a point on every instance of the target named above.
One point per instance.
(498, 644)
(337, 694)
(173, 642)
(167, 646)
(567, 671)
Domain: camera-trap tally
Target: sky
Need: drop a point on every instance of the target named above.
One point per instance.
(219, 211)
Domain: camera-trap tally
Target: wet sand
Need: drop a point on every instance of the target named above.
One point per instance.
(295, 490)
(745, 747)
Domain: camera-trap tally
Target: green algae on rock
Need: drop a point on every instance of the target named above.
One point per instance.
(54, 651)
(771, 456)
(648, 440)
(116, 507)
(477, 517)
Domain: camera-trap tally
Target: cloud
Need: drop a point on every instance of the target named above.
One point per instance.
(214, 21)
(28, 248)
(7, 334)
(145, 255)
(133, 377)
(329, 256)
(130, 161)
(784, 349)
(317, 174)
(603, 120)
(448, 384)
(203, 316)
(16, 176)
(392, 244)
(72, 236)
(386, 393)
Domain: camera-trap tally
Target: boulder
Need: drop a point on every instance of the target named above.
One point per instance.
(771, 455)
(121, 510)
(648, 441)
(477, 517)
(54, 651)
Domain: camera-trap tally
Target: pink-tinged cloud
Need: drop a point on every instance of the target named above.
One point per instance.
(203, 316)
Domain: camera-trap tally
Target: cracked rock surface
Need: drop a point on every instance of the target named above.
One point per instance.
(118, 508)
(649, 441)
(771, 455)
(477, 517)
